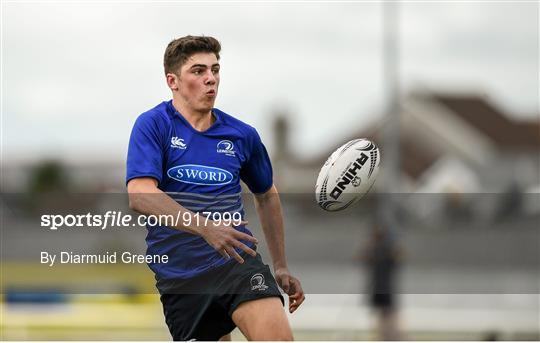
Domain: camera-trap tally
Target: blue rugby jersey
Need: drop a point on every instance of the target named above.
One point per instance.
(202, 172)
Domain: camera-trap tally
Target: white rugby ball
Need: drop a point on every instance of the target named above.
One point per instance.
(347, 175)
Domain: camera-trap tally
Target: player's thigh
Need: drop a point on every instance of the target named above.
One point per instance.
(263, 320)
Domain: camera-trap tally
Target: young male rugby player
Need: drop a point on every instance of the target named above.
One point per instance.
(187, 157)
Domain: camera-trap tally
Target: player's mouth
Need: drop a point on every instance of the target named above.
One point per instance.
(211, 93)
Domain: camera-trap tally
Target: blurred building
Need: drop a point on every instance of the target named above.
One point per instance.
(448, 144)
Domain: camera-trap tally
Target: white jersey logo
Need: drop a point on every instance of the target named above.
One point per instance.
(225, 147)
(178, 143)
(257, 283)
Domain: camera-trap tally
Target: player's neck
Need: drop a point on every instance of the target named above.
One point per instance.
(200, 121)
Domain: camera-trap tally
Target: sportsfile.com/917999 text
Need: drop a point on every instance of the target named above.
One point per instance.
(111, 219)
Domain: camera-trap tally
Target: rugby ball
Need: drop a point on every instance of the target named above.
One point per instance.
(347, 175)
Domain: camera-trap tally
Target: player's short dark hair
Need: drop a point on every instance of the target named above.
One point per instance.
(180, 49)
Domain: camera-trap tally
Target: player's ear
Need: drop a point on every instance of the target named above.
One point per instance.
(172, 81)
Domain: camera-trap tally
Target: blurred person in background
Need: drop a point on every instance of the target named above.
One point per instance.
(382, 256)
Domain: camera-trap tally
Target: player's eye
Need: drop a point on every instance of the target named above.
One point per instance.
(215, 70)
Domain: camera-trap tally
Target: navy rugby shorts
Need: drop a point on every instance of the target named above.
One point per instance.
(201, 308)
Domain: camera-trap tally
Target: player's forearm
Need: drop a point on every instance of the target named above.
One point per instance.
(153, 201)
(268, 208)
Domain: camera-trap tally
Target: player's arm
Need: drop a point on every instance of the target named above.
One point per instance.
(268, 208)
(146, 198)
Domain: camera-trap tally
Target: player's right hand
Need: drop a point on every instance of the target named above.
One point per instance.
(225, 238)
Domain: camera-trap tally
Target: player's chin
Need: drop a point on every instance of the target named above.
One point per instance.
(205, 107)
(206, 104)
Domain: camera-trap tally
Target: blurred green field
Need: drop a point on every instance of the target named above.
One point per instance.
(98, 302)
(140, 317)
(113, 317)
(134, 312)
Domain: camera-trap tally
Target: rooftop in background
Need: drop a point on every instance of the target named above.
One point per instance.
(492, 121)
(467, 127)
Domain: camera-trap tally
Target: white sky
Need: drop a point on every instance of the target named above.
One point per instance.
(76, 75)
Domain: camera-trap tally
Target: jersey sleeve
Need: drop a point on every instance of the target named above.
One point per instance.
(257, 170)
(145, 150)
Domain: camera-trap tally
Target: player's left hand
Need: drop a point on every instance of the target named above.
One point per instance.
(290, 285)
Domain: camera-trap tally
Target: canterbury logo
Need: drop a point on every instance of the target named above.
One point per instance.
(178, 143)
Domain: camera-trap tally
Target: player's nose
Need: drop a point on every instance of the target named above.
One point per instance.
(210, 79)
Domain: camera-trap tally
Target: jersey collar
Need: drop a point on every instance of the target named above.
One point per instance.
(176, 114)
